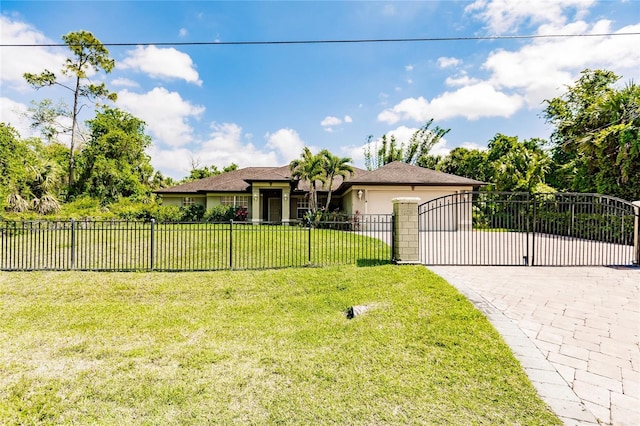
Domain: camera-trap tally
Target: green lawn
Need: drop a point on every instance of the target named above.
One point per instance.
(253, 347)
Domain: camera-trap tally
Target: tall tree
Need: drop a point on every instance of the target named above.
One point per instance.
(87, 54)
(200, 172)
(309, 168)
(334, 166)
(418, 146)
(45, 116)
(469, 163)
(596, 136)
(517, 165)
(114, 163)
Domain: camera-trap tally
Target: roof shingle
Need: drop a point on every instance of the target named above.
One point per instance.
(396, 173)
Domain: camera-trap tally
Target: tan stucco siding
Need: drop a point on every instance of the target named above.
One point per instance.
(377, 199)
(177, 199)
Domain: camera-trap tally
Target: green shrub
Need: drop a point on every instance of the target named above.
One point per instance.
(83, 207)
(168, 214)
(220, 213)
(192, 213)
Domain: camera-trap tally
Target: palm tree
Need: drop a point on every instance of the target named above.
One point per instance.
(335, 166)
(46, 182)
(309, 168)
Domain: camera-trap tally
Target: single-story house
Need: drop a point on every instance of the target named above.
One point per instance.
(271, 194)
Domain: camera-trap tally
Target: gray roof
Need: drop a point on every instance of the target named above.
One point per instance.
(396, 173)
(234, 181)
(406, 174)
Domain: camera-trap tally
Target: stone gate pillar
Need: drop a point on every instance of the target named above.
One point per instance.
(405, 230)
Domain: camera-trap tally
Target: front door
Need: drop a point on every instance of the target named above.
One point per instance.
(275, 210)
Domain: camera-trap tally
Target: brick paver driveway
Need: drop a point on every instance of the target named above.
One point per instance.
(575, 330)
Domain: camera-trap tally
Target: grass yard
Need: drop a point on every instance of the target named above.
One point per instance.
(253, 347)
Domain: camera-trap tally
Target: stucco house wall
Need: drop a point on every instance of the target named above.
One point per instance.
(378, 200)
(179, 199)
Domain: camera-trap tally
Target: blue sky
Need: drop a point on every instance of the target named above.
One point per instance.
(259, 105)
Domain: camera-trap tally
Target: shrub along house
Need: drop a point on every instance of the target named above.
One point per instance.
(270, 194)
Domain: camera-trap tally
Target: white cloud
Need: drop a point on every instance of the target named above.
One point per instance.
(408, 67)
(502, 16)
(226, 144)
(471, 102)
(540, 70)
(402, 134)
(162, 63)
(165, 113)
(444, 62)
(526, 77)
(286, 142)
(461, 80)
(330, 121)
(124, 82)
(408, 109)
(183, 32)
(13, 113)
(16, 61)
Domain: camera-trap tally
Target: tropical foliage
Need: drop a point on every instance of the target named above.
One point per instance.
(321, 168)
(596, 137)
(309, 168)
(507, 165)
(334, 166)
(416, 149)
(113, 163)
(201, 172)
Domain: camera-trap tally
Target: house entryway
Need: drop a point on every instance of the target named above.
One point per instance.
(270, 205)
(560, 229)
(274, 213)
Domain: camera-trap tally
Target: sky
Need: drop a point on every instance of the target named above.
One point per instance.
(261, 104)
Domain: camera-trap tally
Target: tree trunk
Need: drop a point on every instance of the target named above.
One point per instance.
(74, 125)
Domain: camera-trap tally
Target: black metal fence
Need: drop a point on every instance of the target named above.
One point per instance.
(561, 229)
(145, 246)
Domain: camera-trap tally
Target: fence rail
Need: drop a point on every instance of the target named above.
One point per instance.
(145, 246)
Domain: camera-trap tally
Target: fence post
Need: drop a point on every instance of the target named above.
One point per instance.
(393, 237)
(534, 224)
(405, 233)
(153, 245)
(636, 233)
(73, 243)
(230, 243)
(309, 248)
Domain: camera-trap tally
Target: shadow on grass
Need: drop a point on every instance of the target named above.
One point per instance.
(364, 263)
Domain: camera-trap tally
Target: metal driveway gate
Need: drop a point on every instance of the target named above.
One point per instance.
(514, 228)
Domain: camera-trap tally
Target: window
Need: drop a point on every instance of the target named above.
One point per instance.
(302, 207)
(188, 201)
(235, 200)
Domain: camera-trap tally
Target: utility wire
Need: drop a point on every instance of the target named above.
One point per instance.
(345, 41)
